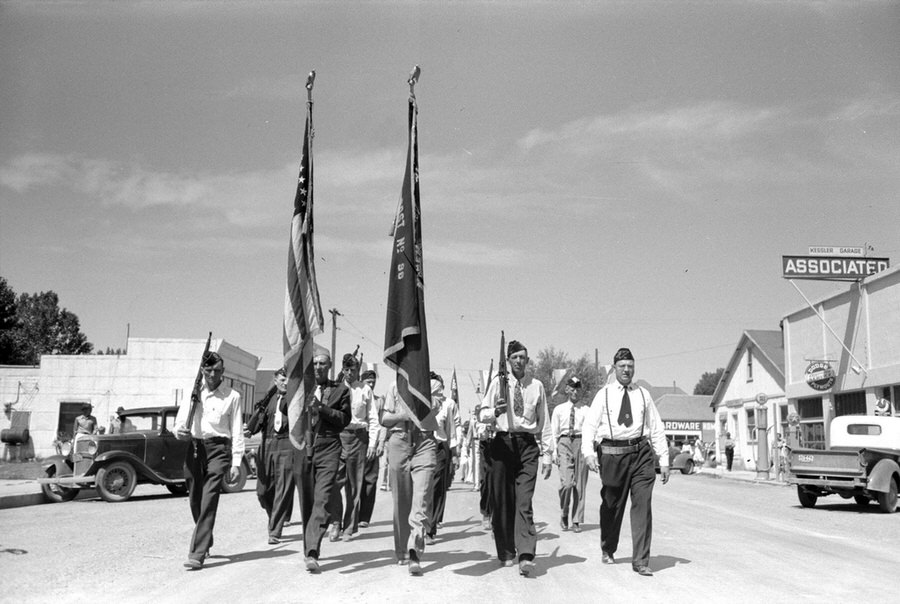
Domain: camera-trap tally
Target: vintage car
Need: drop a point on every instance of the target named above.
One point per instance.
(862, 463)
(679, 461)
(115, 464)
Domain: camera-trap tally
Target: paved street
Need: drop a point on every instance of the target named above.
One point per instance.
(713, 538)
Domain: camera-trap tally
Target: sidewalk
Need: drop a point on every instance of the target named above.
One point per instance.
(741, 475)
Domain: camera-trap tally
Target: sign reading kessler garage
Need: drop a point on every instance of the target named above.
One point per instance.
(832, 267)
(820, 375)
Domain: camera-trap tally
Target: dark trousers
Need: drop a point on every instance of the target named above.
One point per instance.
(634, 474)
(275, 483)
(316, 480)
(205, 466)
(440, 483)
(484, 487)
(514, 464)
(729, 458)
(369, 489)
(351, 468)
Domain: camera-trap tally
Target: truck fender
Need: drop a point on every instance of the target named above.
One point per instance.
(56, 466)
(881, 475)
(104, 459)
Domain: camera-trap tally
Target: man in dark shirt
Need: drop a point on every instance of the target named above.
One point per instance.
(275, 466)
(316, 465)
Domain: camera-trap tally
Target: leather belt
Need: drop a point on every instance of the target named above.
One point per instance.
(621, 447)
(570, 435)
(213, 440)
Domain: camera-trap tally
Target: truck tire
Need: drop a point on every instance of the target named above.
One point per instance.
(116, 481)
(688, 467)
(57, 493)
(807, 499)
(887, 502)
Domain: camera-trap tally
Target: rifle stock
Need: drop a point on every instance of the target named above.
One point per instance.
(198, 382)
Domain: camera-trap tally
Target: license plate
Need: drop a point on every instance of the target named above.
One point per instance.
(806, 458)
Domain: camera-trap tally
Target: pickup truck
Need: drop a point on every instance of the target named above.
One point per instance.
(863, 463)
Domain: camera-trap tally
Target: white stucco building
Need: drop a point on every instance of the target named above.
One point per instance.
(842, 356)
(46, 399)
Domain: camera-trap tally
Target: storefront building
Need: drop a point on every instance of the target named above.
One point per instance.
(751, 394)
(843, 356)
(686, 418)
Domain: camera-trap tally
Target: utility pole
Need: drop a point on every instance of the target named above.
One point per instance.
(335, 313)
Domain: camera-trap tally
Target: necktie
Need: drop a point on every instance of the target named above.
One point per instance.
(625, 411)
(518, 401)
(279, 422)
(572, 421)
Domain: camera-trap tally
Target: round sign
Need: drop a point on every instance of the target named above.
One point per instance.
(761, 398)
(794, 420)
(820, 375)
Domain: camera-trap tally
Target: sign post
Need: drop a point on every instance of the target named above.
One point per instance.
(762, 437)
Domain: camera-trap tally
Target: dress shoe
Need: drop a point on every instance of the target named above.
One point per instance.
(415, 568)
(576, 527)
(486, 523)
(273, 540)
(334, 533)
(506, 563)
(608, 558)
(429, 540)
(526, 568)
(346, 536)
(642, 569)
(564, 524)
(194, 563)
(312, 565)
(363, 524)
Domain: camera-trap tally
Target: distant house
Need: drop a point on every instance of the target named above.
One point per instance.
(755, 372)
(47, 398)
(686, 417)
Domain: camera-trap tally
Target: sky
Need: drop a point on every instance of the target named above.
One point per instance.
(592, 174)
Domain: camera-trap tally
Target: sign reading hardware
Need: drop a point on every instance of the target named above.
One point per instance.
(831, 267)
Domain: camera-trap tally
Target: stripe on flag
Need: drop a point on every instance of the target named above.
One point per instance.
(302, 310)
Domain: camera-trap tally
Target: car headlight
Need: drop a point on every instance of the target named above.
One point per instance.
(91, 448)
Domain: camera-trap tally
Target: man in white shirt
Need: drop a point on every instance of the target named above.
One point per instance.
(446, 440)
(566, 425)
(217, 442)
(521, 439)
(625, 427)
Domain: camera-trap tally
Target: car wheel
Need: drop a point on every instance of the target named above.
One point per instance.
(235, 486)
(688, 467)
(861, 499)
(180, 488)
(806, 498)
(116, 481)
(57, 493)
(887, 502)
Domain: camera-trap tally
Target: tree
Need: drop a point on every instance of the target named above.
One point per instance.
(548, 359)
(708, 382)
(7, 323)
(43, 328)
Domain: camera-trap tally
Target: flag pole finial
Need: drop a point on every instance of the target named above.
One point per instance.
(413, 80)
(310, 80)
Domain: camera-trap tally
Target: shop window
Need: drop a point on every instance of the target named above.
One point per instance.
(812, 424)
(850, 403)
(751, 425)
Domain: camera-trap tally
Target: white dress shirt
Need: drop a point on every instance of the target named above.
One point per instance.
(217, 414)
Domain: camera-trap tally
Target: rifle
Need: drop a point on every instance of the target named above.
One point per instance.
(503, 384)
(198, 382)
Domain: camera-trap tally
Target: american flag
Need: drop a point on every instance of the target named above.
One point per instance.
(406, 339)
(302, 310)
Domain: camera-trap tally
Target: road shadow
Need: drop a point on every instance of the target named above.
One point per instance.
(486, 563)
(352, 562)
(658, 563)
(215, 560)
(847, 507)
